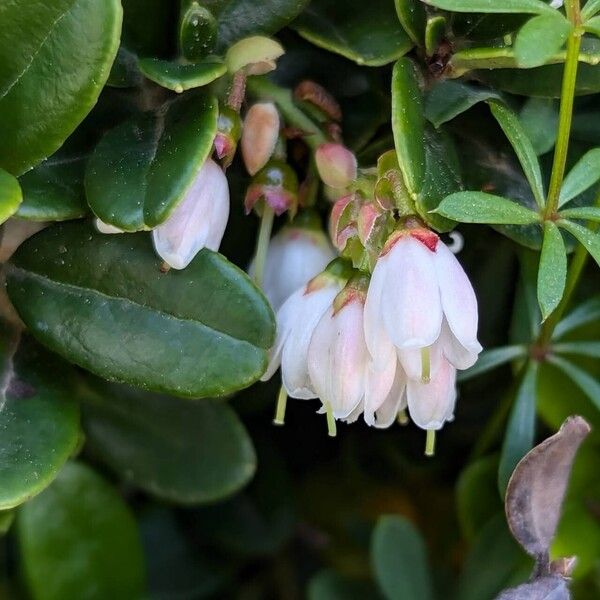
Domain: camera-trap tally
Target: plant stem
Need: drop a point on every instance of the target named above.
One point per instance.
(260, 86)
(262, 244)
(331, 426)
(281, 405)
(430, 443)
(567, 97)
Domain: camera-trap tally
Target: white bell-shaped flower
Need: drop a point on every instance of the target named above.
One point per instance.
(198, 221)
(295, 255)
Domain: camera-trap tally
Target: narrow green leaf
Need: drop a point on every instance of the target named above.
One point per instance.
(539, 118)
(479, 207)
(435, 31)
(540, 38)
(179, 450)
(590, 9)
(509, 122)
(591, 349)
(593, 26)
(585, 213)
(102, 302)
(588, 384)
(585, 313)
(399, 560)
(589, 239)
(582, 176)
(100, 551)
(520, 430)
(490, 359)
(182, 76)
(10, 195)
(552, 273)
(448, 99)
(412, 16)
(493, 6)
(142, 168)
(408, 124)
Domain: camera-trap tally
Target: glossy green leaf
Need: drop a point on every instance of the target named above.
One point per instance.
(39, 418)
(491, 359)
(6, 520)
(369, 34)
(399, 560)
(493, 6)
(509, 122)
(590, 9)
(589, 239)
(582, 176)
(520, 430)
(588, 384)
(540, 38)
(552, 273)
(448, 99)
(125, 70)
(408, 124)
(587, 213)
(182, 451)
(141, 169)
(329, 585)
(435, 31)
(103, 303)
(182, 76)
(11, 195)
(479, 207)
(591, 349)
(197, 31)
(100, 551)
(539, 118)
(77, 40)
(412, 16)
(585, 313)
(593, 26)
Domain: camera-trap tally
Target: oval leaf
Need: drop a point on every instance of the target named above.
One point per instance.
(540, 38)
(552, 273)
(102, 303)
(412, 16)
(182, 451)
(479, 207)
(182, 76)
(10, 195)
(73, 42)
(399, 560)
(589, 239)
(141, 169)
(39, 419)
(493, 6)
(100, 551)
(537, 487)
(582, 176)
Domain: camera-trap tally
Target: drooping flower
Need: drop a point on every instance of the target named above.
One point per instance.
(198, 221)
(259, 135)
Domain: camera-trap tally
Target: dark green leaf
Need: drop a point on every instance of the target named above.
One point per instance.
(125, 70)
(582, 176)
(369, 34)
(39, 419)
(590, 9)
(540, 38)
(6, 520)
(182, 76)
(589, 239)
(587, 213)
(10, 195)
(520, 430)
(77, 40)
(141, 169)
(552, 273)
(490, 359)
(412, 16)
(448, 99)
(434, 33)
(102, 302)
(182, 451)
(399, 560)
(197, 31)
(509, 122)
(329, 585)
(591, 349)
(588, 384)
(539, 118)
(585, 313)
(478, 207)
(100, 552)
(408, 124)
(593, 26)
(493, 6)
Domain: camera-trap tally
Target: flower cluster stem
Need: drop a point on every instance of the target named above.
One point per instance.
(262, 244)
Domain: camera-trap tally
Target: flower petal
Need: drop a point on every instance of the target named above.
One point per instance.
(378, 384)
(456, 354)
(395, 402)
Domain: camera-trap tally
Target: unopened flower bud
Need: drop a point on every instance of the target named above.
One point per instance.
(198, 221)
(259, 135)
(229, 130)
(336, 165)
(255, 55)
(277, 185)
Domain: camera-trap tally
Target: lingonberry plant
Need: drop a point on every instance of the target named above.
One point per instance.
(213, 209)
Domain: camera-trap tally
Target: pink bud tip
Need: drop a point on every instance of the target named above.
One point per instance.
(336, 165)
(223, 145)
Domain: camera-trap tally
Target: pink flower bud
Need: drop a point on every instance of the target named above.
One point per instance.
(198, 221)
(277, 185)
(259, 135)
(336, 165)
